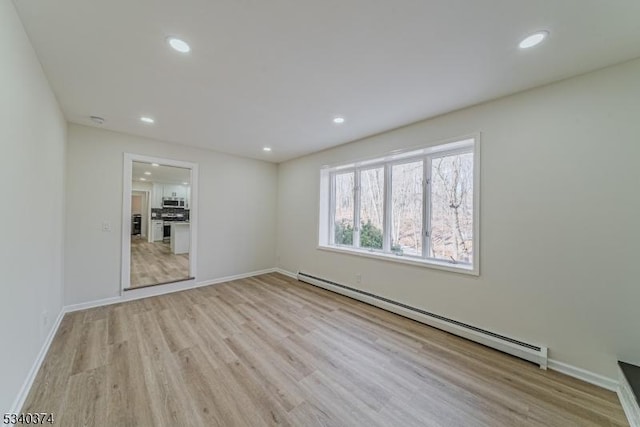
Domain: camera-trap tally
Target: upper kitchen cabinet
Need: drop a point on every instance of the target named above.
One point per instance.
(163, 182)
(156, 196)
(169, 190)
(161, 191)
(179, 191)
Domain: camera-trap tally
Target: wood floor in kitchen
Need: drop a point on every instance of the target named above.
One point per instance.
(270, 350)
(153, 263)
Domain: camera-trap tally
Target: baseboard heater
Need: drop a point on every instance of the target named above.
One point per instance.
(532, 353)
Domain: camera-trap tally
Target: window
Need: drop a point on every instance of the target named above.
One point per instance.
(344, 208)
(451, 213)
(406, 208)
(417, 206)
(371, 208)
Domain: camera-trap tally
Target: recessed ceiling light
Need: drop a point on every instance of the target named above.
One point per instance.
(266, 149)
(147, 119)
(179, 45)
(155, 165)
(533, 40)
(338, 120)
(143, 179)
(147, 173)
(185, 183)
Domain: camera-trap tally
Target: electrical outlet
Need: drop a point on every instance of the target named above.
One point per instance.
(358, 278)
(106, 226)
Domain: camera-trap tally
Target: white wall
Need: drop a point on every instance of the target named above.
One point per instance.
(136, 203)
(560, 230)
(32, 141)
(236, 222)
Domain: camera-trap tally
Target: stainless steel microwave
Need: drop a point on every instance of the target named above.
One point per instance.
(173, 202)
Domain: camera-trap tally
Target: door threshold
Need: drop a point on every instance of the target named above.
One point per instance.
(158, 284)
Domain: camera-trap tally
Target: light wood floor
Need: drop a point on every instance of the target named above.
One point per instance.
(153, 263)
(270, 350)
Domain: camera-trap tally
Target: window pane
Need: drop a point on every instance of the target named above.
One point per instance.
(344, 209)
(406, 208)
(371, 207)
(452, 208)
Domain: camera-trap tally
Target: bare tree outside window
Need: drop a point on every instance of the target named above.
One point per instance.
(406, 208)
(344, 208)
(452, 208)
(371, 208)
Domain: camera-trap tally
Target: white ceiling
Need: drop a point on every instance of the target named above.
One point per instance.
(276, 72)
(160, 174)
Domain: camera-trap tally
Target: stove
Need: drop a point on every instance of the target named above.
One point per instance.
(173, 217)
(168, 218)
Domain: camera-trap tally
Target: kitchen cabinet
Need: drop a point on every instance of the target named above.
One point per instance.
(180, 237)
(179, 191)
(168, 190)
(157, 230)
(156, 196)
(182, 192)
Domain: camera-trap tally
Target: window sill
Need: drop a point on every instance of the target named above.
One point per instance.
(437, 265)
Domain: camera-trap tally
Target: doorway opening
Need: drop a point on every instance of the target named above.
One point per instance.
(159, 221)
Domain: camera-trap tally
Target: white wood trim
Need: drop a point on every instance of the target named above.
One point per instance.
(194, 199)
(331, 236)
(402, 259)
(91, 304)
(127, 177)
(31, 376)
(127, 187)
(465, 144)
(286, 273)
(387, 208)
(236, 277)
(565, 368)
(357, 188)
(426, 207)
(152, 291)
(584, 375)
(538, 357)
(149, 219)
(628, 400)
(476, 203)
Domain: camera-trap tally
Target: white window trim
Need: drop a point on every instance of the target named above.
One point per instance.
(402, 259)
(427, 152)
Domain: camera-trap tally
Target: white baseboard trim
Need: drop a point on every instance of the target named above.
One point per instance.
(91, 304)
(584, 375)
(153, 291)
(31, 376)
(531, 352)
(149, 292)
(286, 273)
(565, 368)
(579, 373)
(236, 277)
(628, 401)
